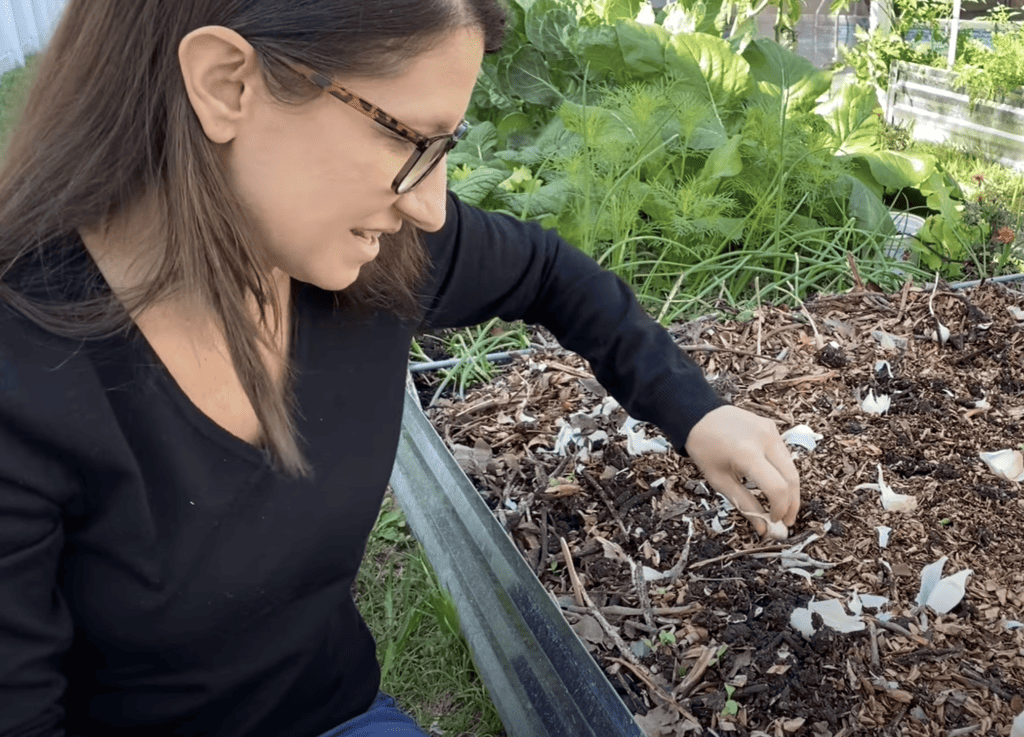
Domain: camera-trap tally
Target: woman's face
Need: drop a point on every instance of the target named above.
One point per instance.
(317, 177)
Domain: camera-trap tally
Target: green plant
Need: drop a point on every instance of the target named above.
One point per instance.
(471, 347)
(893, 136)
(425, 662)
(991, 72)
(667, 637)
(978, 231)
(14, 86)
(731, 708)
(902, 37)
(723, 170)
(416, 352)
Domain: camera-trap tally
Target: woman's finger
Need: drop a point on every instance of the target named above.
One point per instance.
(741, 498)
(787, 490)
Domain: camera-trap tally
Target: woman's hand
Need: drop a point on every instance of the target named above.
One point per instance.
(729, 445)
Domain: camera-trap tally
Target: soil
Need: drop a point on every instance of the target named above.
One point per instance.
(711, 648)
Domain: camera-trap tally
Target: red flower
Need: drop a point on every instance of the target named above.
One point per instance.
(979, 178)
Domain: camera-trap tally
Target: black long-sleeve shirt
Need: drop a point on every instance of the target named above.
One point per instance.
(157, 577)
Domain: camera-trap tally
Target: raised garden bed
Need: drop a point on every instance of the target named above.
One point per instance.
(711, 649)
(939, 113)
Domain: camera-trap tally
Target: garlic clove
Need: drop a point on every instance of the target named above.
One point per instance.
(774, 530)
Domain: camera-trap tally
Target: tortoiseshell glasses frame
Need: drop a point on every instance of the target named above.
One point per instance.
(430, 150)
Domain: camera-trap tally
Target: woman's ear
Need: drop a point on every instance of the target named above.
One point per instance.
(221, 74)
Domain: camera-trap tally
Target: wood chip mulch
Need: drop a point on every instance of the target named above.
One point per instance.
(689, 613)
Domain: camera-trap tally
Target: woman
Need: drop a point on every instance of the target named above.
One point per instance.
(215, 247)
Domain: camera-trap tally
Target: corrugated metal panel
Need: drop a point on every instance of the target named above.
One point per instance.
(925, 96)
(540, 677)
(25, 28)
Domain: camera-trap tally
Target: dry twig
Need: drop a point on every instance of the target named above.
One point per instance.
(577, 587)
(696, 673)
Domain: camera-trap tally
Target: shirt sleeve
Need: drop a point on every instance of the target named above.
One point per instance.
(35, 624)
(489, 265)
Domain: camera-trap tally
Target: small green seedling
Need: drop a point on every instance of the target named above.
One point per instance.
(731, 708)
(667, 638)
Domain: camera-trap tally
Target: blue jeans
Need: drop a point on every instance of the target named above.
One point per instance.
(382, 718)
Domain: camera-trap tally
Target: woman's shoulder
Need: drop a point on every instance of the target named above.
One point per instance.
(47, 378)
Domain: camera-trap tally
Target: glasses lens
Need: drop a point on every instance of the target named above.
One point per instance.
(425, 164)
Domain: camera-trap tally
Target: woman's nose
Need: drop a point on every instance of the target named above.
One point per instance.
(424, 205)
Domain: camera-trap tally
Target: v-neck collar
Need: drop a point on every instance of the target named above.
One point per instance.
(75, 276)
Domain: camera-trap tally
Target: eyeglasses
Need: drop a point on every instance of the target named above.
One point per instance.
(430, 151)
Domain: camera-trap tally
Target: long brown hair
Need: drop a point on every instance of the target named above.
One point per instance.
(108, 118)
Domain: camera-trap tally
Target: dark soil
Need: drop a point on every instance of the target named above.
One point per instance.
(712, 650)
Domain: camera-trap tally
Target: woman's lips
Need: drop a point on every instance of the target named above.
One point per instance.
(372, 241)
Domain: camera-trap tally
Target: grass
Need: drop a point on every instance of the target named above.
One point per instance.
(425, 661)
(13, 86)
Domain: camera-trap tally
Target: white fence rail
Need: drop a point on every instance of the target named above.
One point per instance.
(25, 28)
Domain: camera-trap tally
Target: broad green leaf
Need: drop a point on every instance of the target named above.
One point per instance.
(858, 168)
(547, 23)
(611, 11)
(514, 129)
(643, 48)
(940, 190)
(724, 161)
(693, 17)
(852, 113)
(550, 199)
(897, 170)
(527, 76)
(710, 67)
(599, 49)
(480, 142)
(707, 135)
(473, 190)
(798, 77)
(868, 210)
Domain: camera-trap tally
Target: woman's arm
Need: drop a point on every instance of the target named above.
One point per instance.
(487, 265)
